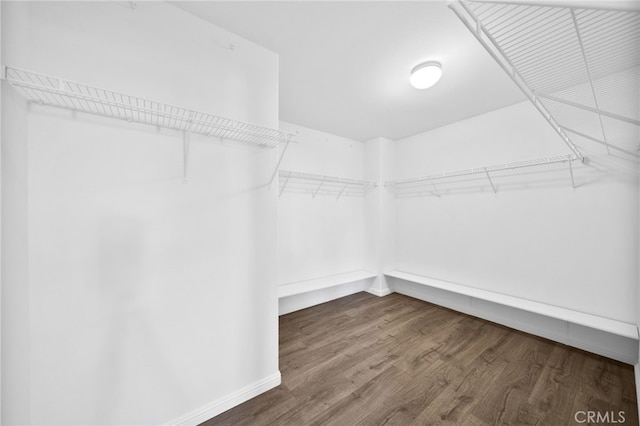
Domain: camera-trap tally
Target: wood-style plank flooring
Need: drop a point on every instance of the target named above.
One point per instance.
(365, 360)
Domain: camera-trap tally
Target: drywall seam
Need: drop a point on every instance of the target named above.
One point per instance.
(223, 404)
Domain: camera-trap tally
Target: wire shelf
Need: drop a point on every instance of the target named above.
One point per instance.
(308, 183)
(433, 183)
(587, 59)
(54, 91)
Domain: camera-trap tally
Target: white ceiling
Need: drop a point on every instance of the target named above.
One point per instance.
(344, 66)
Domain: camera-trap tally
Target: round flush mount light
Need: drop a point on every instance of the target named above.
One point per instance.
(425, 75)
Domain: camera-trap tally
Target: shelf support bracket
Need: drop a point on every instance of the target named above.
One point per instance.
(590, 109)
(596, 140)
(186, 141)
(586, 65)
(284, 150)
(317, 189)
(284, 185)
(435, 188)
(573, 182)
(490, 181)
(342, 190)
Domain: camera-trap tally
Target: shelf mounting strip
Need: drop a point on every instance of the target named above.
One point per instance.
(54, 91)
(568, 61)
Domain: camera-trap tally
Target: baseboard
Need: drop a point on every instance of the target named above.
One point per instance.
(223, 404)
(380, 286)
(379, 292)
(600, 342)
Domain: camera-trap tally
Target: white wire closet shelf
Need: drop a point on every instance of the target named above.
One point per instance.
(579, 66)
(54, 91)
(308, 183)
(434, 183)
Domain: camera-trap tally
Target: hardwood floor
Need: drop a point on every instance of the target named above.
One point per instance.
(365, 360)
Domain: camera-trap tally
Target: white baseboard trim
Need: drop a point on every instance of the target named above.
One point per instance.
(379, 292)
(223, 404)
(380, 286)
(600, 342)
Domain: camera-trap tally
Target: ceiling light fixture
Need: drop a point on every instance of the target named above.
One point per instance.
(425, 75)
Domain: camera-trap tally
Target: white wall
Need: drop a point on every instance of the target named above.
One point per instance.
(320, 236)
(537, 238)
(15, 285)
(379, 213)
(147, 298)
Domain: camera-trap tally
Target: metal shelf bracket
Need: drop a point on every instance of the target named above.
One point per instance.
(490, 181)
(435, 188)
(318, 189)
(284, 150)
(284, 185)
(342, 190)
(573, 182)
(186, 141)
(588, 69)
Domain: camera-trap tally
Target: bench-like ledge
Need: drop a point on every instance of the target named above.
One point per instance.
(595, 322)
(300, 287)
